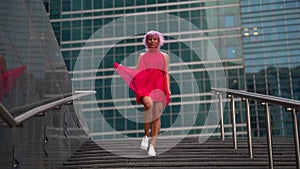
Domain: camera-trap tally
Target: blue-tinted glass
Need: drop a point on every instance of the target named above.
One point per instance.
(98, 4)
(76, 5)
(66, 35)
(229, 21)
(119, 3)
(108, 4)
(87, 23)
(76, 24)
(87, 4)
(231, 52)
(290, 4)
(66, 5)
(87, 32)
(66, 24)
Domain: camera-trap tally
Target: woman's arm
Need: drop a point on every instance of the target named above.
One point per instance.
(166, 56)
(139, 59)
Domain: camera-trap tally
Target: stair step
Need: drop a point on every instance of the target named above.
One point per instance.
(188, 153)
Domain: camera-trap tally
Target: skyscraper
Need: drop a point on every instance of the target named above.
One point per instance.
(271, 52)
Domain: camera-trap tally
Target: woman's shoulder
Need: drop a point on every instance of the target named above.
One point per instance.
(164, 54)
(141, 54)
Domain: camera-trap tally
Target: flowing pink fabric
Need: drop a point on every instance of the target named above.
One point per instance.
(149, 79)
(9, 79)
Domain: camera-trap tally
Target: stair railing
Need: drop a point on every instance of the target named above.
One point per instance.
(290, 105)
(55, 102)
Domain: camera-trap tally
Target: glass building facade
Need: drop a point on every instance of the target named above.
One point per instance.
(257, 44)
(203, 40)
(33, 74)
(271, 31)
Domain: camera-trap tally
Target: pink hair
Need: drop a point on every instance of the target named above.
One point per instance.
(158, 34)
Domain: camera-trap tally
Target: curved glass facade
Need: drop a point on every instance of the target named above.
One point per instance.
(33, 73)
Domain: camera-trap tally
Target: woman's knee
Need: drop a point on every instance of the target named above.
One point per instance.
(147, 105)
(147, 102)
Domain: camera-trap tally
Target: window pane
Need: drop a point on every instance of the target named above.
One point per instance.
(231, 52)
(229, 21)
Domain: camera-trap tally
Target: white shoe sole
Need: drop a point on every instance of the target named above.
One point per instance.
(151, 155)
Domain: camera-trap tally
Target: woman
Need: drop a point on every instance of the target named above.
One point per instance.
(150, 82)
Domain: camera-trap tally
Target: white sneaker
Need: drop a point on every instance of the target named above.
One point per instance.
(145, 143)
(151, 151)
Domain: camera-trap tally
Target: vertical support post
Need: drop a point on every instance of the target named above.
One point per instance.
(46, 140)
(233, 121)
(15, 161)
(249, 134)
(296, 137)
(269, 136)
(221, 117)
(65, 125)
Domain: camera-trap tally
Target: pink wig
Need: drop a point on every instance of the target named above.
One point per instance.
(158, 34)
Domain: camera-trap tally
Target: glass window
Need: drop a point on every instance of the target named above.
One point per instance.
(293, 35)
(98, 22)
(119, 3)
(87, 4)
(184, 14)
(76, 24)
(291, 5)
(76, 34)
(231, 52)
(229, 21)
(87, 32)
(66, 24)
(66, 35)
(98, 4)
(87, 23)
(66, 4)
(76, 5)
(108, 4)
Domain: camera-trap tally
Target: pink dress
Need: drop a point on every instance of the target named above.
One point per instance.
(149, 79)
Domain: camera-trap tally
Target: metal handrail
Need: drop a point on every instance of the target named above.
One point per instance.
(289, 104)
(16, 121)
(21, 109)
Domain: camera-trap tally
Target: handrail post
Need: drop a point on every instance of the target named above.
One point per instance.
(233, 122)
(221, 117)
(15, 161)
(269, 136)
(296, 137)
(250, 147)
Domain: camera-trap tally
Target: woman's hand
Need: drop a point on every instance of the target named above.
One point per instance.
(116, 64)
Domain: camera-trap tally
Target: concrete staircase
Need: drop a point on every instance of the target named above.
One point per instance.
(188, 153)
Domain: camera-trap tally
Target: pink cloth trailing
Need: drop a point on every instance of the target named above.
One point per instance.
(9, 79)
(149, 79)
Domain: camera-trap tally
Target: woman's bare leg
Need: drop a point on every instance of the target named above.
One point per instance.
(147, 115)
(157, 110)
